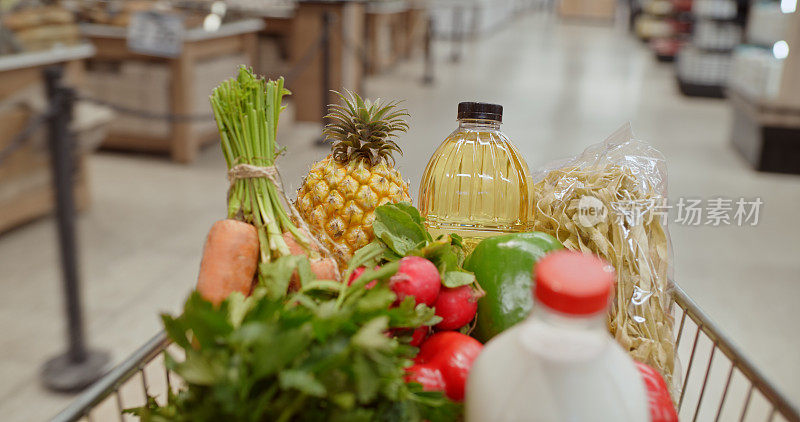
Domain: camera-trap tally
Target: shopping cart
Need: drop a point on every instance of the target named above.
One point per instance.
(720, 383)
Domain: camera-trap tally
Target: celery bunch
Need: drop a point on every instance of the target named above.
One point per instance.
(246, 109)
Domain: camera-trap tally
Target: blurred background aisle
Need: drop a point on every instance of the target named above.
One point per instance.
(564, 84)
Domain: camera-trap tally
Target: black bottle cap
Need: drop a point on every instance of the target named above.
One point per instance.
(473, 110)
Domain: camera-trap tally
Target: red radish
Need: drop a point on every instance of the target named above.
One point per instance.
(357, 273)
(419, 335)
(456, 306)
(443, 363)
(416, 277)
(430, 377)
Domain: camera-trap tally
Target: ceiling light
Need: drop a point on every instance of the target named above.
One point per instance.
(780, 49)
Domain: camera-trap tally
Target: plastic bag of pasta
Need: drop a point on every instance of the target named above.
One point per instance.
(611, 200)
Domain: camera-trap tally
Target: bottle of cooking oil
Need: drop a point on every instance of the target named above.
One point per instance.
(477, 183)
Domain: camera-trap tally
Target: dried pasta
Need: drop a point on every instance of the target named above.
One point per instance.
(635, 242)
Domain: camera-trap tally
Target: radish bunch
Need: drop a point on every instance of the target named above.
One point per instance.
(419, 277)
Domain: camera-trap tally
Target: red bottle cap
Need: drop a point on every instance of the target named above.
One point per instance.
(573, 283)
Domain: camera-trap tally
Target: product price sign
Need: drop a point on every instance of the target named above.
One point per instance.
(156, 34)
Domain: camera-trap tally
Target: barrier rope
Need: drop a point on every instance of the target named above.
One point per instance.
(147, 114)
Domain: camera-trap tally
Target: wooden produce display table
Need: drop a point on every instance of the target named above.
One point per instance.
(588, 9)
(26, 190)
(273, 58)
(415, 27)
(278, 22)
(345, 43)
(274, 44)
(387, 33)
(178, 86)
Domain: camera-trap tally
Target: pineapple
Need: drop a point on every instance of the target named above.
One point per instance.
(340, 193)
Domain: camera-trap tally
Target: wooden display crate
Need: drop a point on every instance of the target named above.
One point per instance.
(274, 58)
(414, 27)
(26, 190)
(25, 179)
(137, 85)
(346, 65)
(387, 34)
(30, 196)
(145, 85)
(180, 85)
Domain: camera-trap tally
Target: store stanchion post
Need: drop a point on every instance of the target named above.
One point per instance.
(326, 68)
(363, 57)
(471, 33)
(79, 366)
(427, 77)
(458, 33)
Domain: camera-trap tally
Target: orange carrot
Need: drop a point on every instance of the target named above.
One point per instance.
(294, 245)
(230, 260)
(324, 269)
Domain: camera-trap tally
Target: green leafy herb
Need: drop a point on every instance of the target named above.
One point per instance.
(400, 231)
(277, 275)
(322, 353)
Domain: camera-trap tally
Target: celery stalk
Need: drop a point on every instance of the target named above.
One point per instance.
(247, 109)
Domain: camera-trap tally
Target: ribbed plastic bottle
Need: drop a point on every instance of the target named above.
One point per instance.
(476, 184)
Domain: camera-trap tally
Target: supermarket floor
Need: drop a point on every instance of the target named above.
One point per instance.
(564, 86)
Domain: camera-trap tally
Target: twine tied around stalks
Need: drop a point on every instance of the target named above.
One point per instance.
(249, 171)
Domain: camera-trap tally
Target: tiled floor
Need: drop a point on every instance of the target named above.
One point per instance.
(564, 86)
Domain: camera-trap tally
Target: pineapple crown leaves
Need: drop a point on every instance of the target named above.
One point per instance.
(364, 130)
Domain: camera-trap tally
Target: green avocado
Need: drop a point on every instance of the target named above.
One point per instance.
(503, 266)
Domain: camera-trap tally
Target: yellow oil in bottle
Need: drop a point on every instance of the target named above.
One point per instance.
(477, 183)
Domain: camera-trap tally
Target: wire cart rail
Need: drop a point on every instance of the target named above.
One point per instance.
(719, 382)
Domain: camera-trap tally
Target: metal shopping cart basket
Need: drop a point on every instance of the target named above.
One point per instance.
(720, 383)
